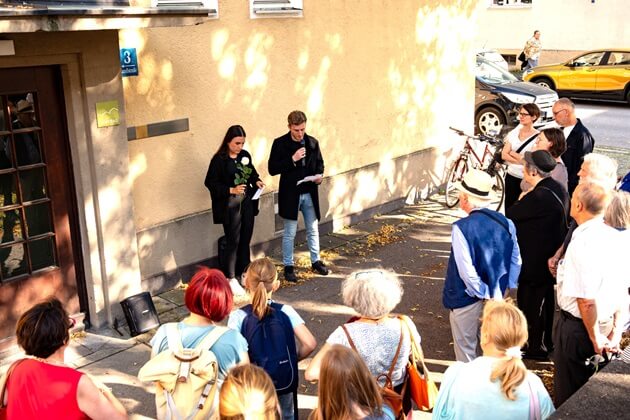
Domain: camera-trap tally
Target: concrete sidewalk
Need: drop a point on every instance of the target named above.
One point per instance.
(414, 241)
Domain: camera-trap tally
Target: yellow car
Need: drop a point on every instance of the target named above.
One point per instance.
(603, 74)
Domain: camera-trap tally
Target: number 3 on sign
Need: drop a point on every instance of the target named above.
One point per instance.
(128, 62)
(126, 57)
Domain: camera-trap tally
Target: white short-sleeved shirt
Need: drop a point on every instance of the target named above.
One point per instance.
(515, 169)
(377, 344)
(593, 268)
(235, 321)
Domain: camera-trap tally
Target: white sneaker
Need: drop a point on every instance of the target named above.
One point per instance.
(237, 289)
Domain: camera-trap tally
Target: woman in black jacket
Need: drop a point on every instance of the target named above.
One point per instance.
(232, 181)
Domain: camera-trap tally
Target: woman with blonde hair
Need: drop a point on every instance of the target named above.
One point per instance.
(247, 394)
(346, 390)
(496, 385)
(276, 334)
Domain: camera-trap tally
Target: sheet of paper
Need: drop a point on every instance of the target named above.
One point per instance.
(310, 178)
(258, 193)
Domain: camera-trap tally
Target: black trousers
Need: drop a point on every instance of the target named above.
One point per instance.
(549, 314)
(238, 227)
(572, 348)
(538, 304)
(512, 189)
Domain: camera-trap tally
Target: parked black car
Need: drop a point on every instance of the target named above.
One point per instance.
(499, 94)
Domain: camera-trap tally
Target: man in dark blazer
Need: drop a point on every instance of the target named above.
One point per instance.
(295, 156)
(579, 140)
(540, 217)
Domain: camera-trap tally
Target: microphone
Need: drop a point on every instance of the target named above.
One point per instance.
(303, 144)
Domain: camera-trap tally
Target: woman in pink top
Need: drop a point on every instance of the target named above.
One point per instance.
(43, 386)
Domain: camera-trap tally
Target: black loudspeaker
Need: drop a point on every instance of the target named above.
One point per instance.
(140, 313)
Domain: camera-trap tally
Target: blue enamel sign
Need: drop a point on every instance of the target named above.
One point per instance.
(128, 62)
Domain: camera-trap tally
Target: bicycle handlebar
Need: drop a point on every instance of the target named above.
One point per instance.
(481, 137)
(458, 131)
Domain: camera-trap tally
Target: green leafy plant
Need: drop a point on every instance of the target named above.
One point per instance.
(243, 171)
(242, 175)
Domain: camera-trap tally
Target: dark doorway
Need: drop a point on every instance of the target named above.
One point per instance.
(39, 252)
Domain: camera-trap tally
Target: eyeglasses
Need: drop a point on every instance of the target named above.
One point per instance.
(362, 275)
(523, 114)
(555, 113)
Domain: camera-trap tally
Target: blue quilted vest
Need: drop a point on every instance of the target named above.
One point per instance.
(490, 247)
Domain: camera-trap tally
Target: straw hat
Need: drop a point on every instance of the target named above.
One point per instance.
(477, 183)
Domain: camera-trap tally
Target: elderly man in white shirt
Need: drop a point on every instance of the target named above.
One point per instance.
(592, 291)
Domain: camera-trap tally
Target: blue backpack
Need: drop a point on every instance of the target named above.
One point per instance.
(271, 344)
(624, 185)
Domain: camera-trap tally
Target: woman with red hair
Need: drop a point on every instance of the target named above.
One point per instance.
(209, 299)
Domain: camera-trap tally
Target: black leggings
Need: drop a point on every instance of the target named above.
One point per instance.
(512, 190)
(238, 228)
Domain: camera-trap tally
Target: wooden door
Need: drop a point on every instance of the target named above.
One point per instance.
(39, 253)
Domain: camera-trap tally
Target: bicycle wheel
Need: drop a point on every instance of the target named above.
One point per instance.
(498, 188)
(455, 174)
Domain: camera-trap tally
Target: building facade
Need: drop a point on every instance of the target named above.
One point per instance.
(568, 27)
(114, 202)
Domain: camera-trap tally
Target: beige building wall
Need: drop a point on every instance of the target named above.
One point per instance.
(380, 86)
(90, 70)
(567, 27)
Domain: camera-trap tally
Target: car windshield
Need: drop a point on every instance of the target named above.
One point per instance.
(491, 73)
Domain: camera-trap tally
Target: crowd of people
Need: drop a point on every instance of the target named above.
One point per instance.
(559, 244)
(557, 249)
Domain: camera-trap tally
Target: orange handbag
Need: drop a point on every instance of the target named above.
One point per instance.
(423, 390)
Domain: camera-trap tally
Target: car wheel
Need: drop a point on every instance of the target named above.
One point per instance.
(489, 119)
(628, 95)
(545, 82)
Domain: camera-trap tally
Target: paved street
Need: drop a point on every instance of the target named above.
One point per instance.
(413, 241)
(608, 121)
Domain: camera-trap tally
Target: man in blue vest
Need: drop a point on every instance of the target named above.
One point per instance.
(485, 262)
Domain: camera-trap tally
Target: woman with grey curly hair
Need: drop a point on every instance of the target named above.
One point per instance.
(375, 334)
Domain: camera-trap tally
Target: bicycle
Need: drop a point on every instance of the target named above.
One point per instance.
(469, 158)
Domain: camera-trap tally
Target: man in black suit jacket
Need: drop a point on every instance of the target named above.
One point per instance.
(579, 140)
(540, 217)
(295, 156)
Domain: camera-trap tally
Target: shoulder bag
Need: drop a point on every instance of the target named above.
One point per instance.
(564, 209)
(390, 397)
(423, 389)
(497, 152)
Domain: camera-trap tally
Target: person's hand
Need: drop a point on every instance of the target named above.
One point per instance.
(552, 263)
(260, 184)
(299, 154)
(318, 180)
(238, 190)
(614, 338)
(600, 343)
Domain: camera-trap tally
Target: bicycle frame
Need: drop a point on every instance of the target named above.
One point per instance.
(485, 161)
(480, 162)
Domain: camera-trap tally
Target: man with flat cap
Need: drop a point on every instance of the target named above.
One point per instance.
(540, 217)
(484, 262)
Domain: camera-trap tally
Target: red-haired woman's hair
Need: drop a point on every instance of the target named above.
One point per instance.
(209, 294)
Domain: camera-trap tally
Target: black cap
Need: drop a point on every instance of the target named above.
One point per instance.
(541, 159)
